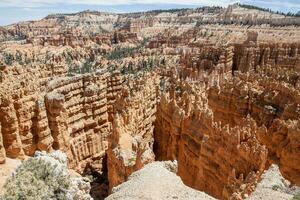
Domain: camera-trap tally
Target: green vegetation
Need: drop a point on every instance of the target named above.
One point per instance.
(275, 187)
(254, 7)
(19, 58)
(209, 9)
(169, 10)
(181, 10)
(296, 197)
(132, 160)
(290, 14)
(37, 179)
(8, 58)
(179, 89)
(120, 53)
(143, 66)
(87, 67)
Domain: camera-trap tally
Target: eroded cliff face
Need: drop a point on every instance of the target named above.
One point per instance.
(77, 114)
(131, 140)
(220, 98)
(273, 105)
(2, 150)
(71, 115)
(215, 122)
(229, 159)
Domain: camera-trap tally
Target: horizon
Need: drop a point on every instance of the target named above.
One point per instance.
(36, 9)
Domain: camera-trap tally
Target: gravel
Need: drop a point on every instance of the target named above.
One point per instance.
(153, 182)
(273, 186)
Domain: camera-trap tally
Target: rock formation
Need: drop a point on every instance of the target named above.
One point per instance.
(216, 89)
(2, 149)
(131, 140)
(228, 158)
(59, 119)
(273, 184)
(156, 181)
(78, 119)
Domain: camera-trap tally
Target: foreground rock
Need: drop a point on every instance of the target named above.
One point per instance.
(156, 181)
(46, 176)
(274, 185)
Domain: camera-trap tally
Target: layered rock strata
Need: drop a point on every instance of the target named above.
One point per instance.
(77, 114)
(2, 149)
(269, 102)
(70, 115)
(131, 141)
(230, 159)
(221, 98)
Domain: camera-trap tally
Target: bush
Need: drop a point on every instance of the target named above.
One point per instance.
(120, 53)
(8, 58)
(87, 67)
(38, 179)
(275, 187)
(296, 197)
(290, 14)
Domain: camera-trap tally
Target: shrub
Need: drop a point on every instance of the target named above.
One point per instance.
(275, 187)
(8, 58)
(38, 179)
(87, 67)
(120, 53)
(296, 197)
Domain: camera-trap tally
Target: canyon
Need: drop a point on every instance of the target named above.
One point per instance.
(215, 90)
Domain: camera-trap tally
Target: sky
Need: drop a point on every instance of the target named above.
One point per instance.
(12, 11)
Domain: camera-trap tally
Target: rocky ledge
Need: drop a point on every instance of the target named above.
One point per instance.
(156, 180)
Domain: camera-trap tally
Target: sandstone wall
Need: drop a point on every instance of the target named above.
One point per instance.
(220, 160)
(249, 57)
(222, 99)
(114, 83)
(78, 118)
(2, 149)
(249, 99)
(273, 104)
(68, 113)
(131, 141)
(22, 110)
